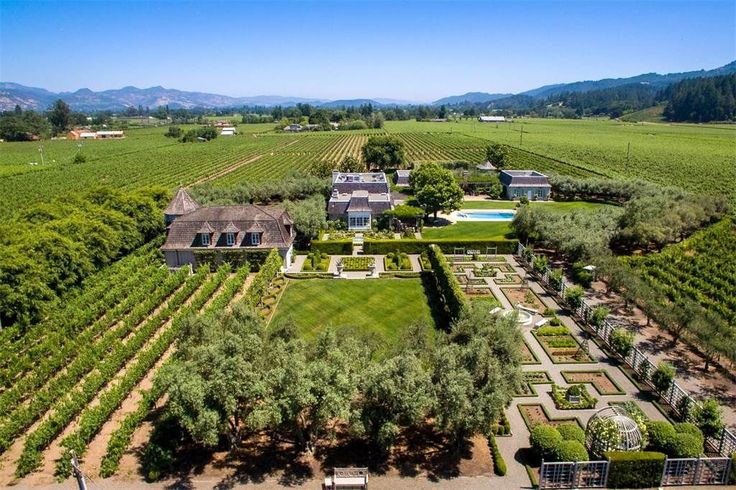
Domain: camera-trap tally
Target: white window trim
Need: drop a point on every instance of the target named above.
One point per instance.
(206, 239)
(255, 238)
(230, 239)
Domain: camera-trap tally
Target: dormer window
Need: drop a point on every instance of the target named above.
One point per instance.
(230, 239)
(255, 238)
(205, 239)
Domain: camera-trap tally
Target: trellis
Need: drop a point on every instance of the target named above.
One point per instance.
(725, 444)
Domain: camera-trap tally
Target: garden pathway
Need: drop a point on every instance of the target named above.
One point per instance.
(514, 448)
(298, 263)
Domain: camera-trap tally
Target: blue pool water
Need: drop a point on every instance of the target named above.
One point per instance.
(486, 215)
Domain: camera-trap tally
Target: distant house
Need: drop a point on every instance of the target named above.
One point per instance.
(228, 131)
(530, 183)
(294, 128)
(401, 177)
(110, 134)
(194, 230)
(492, 119)
(358, 198)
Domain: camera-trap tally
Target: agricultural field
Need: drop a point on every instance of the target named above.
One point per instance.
(380, 307)
(701, 269)
(90, 361)
(700, 158)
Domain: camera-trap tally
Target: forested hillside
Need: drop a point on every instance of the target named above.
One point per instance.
(702, 99)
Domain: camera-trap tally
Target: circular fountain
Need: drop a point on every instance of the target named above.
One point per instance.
(523, 317)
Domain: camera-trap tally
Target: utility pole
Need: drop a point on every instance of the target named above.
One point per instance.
(77, 472)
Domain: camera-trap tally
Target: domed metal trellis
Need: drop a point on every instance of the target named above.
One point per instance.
(612, 429)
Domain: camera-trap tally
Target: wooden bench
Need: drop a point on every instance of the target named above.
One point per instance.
(347, 479)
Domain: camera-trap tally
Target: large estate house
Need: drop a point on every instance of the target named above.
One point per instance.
(194, 230)
(358, 198)
(530, 183)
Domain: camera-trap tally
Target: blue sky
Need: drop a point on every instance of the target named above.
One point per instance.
(346, 49)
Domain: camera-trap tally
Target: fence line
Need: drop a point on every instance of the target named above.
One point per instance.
(676, 397)
(594, 474)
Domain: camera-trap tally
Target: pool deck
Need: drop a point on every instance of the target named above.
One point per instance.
(454, 217)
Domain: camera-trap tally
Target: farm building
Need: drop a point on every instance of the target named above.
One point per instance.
(110, 134)
(486, 167)
(358, 198)
(530, 183)
(197, 234)
(401, 177)
(294, 128)
(492, 119)
(228, 131)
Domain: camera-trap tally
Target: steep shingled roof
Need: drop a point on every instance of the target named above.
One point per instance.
(181, 204)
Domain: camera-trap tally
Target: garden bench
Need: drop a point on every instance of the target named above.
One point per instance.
(347, 479)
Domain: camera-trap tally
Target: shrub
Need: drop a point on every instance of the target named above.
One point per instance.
(571, 451)
(663, 377)
(555, 322)
(684, 445)
(572, 432)
(708, 417)
(634, 469)
(79, 158)
(574, 296)
(599, 314)
(549, 312)
(552, 331)
(499, 465)
(559, 395)
(540, 264)
(555, 279)
(660, 434)
(689, 428)
(581, 276)
(622, 342)
(544, 440)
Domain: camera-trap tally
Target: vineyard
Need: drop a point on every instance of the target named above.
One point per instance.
(63, 380)
(695, 158)
(700, 269)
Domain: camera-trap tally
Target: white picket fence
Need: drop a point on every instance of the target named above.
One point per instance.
(725, 444)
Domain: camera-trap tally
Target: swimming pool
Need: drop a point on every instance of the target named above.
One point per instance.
(484, 215)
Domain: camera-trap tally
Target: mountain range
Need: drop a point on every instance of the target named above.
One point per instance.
(12, 94)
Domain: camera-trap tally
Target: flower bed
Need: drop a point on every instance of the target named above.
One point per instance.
(508, 278)
(562, 397)
(316, 261)
(531, 378)
(463, 279)
(357, 263)
(560, 345)
(523, 296)
(397, 262)
(600, 379)
(535, 414)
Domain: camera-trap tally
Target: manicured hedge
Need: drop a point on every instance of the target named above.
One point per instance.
(447, 283)
(634, 469)
(410, 246)
(499, 464)
(333, 247)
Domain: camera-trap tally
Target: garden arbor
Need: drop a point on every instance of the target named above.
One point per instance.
(612, 429)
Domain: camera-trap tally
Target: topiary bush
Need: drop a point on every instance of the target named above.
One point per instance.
(663, 377)
(571, 432)
(499, 464)
(660, 434)
(571, 451)
(690, 428)
(544, 440)
(684, 445)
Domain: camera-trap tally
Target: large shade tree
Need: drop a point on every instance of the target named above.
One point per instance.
(384, 152)
(435, 188)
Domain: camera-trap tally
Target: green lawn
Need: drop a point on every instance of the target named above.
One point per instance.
(466, 230)
(381, 306)
(555, 206)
